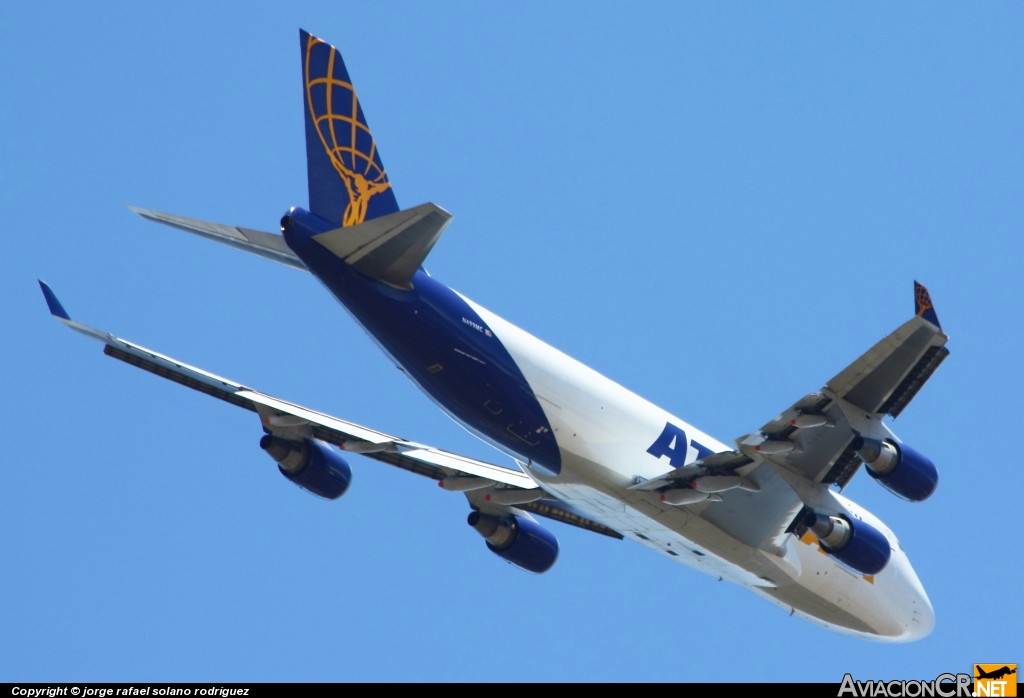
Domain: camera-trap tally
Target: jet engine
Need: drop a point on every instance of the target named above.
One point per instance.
(899, 468)
(856, 544)
(310, 464)
(520, 540)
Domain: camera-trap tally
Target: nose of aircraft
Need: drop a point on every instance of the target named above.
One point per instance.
(911, 608)
(922, 615)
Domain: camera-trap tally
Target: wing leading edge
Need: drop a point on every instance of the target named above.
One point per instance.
(487, 485)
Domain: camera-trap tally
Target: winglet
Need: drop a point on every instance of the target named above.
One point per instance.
(923, 305)
(56, 309)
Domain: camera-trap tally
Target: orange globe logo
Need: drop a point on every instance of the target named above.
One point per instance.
(339, 122)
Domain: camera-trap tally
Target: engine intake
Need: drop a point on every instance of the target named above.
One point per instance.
(312, 465)
(856, 544)
(521, 541)
(899, 468)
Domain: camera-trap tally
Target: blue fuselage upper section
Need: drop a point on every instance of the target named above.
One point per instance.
(440, 342)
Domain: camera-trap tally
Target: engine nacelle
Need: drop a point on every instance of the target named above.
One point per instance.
(900, 469)
(312, 465)
(521, 541)
(856, 544)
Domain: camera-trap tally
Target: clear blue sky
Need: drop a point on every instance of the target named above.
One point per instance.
(717, 205)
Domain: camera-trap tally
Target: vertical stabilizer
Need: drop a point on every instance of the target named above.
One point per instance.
(347, 181)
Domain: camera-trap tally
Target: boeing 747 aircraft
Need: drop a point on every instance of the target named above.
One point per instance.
(582, 450)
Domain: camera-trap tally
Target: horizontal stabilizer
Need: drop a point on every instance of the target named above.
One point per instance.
(390, 248)
(267, 245)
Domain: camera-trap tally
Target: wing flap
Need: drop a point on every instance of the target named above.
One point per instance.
(725, 463)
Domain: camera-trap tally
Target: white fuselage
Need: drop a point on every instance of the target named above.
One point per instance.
(604, 431)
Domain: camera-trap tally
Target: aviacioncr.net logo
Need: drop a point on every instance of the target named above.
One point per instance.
(944, 686)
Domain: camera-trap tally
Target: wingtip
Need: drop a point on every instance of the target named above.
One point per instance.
(148, 214)
(56, 309)
(923, 304)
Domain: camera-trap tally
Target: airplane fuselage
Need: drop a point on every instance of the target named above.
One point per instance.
(585, 439)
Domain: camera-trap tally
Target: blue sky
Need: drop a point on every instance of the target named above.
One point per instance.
(717, 205)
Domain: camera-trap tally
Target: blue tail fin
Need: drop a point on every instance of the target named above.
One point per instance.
(347, 181)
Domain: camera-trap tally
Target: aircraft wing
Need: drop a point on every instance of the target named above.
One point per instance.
(817, 440)
(489, 487)
(818, 437)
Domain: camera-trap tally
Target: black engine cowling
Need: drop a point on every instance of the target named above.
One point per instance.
(899, 468)
(521, 541)
(310, 464)
(856, 544)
